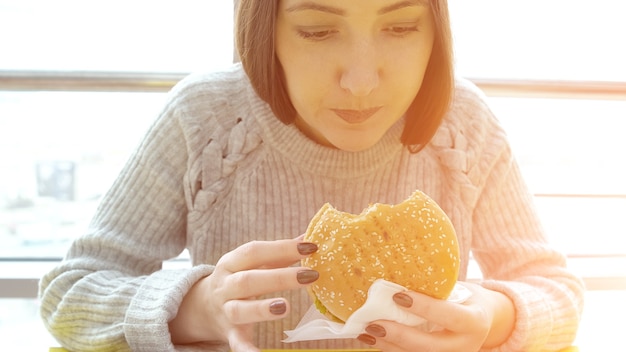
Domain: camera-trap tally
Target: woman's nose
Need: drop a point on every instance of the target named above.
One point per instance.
(361, 72)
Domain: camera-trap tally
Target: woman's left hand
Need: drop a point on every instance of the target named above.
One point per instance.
(486, 319)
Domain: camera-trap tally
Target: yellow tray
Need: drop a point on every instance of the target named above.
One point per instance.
(61, 349)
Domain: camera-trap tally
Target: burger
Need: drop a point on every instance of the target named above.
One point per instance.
(412, 244)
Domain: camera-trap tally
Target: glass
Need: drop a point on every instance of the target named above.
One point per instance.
(539, 39)
(116, 35)
(59, 152)
(568, 146)
(572, 156)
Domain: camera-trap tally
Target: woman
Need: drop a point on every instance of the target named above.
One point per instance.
(350, 103)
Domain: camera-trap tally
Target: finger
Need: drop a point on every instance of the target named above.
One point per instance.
(252, 283)
(258, 254)
(449, 315)
(253, 311)
(392, 336)
(383, 345)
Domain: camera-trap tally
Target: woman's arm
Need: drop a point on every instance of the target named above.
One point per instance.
(517, 261)
(509, 242)
(109, 292)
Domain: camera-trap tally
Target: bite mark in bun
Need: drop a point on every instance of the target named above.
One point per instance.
(412, 244)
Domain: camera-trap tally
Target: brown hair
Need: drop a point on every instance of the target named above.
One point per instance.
(254, 35)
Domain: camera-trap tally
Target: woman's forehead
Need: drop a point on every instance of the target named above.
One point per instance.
(341, 8)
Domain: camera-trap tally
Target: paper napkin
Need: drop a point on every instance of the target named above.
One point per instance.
(379, 305)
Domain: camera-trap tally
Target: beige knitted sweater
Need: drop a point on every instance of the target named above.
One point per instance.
(217, 169)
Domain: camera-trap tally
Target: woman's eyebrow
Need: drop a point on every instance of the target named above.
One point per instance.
(402, 4)
(310, 5)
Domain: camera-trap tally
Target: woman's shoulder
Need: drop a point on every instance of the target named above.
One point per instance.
(203, 99)
(468, 96)
(470, 108)
(216, 84)
(470, 124)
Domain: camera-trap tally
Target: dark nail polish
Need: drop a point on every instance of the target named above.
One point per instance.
(367, 339)
(278, 307)
(306, 248)
(307, 276)
(376, 330)
(403, 300)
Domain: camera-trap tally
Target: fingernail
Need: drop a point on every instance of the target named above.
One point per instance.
(403, 299)
(370, 340)
(306, 248)
(278, 307)
(376, 330)
(307, 276)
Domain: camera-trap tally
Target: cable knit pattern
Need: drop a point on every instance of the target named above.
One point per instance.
(227, 157)
(218, 169)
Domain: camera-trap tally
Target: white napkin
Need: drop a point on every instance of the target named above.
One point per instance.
(379, 305)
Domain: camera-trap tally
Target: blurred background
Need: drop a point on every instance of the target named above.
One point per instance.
(81, 81)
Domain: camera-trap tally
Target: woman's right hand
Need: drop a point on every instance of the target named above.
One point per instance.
(223, 305)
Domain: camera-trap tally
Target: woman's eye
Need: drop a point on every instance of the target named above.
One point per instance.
(402, 30)
(315, 35)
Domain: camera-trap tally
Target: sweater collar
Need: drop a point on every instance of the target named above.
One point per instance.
(308, 155)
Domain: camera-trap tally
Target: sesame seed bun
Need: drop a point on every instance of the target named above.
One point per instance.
(412, 244)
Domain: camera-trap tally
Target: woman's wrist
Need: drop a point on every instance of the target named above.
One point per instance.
(503, 323)
(188, 326)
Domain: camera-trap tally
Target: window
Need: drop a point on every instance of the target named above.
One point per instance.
(116, 35)
(534, 39)
(570, 150)
(60, 150)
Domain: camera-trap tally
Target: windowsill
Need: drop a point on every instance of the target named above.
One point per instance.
(19, 279)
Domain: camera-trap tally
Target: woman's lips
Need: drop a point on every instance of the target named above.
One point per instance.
(356, 116)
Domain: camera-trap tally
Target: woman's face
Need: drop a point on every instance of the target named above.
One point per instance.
(352, 67)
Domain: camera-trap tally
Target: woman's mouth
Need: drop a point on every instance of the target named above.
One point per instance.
(356, 116)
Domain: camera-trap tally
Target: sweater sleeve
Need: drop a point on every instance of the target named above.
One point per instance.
(516, 259)
(110, 292)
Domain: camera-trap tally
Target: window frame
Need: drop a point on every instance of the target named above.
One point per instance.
(19, 277)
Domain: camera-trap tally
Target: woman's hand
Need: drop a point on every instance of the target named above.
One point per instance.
(222, 306)
(486, 319)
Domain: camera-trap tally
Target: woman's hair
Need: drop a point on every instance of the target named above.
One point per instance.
(254, 36)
